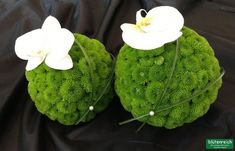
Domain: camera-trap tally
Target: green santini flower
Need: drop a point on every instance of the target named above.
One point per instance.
(141, 78)
(66, 95)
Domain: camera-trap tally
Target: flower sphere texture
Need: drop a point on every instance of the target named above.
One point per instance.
(161, 25)
(141, 77)
(50, 43)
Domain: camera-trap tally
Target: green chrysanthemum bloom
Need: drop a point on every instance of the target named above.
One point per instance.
(141, 78)
(66, 95)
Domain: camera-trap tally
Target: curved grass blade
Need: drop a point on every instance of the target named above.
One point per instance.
(106, 86)
(195, 94)
(180, 102)
(167, 83)
(133, 119)
(88, 60)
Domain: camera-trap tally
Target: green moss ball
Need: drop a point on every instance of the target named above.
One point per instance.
(141, 77)
(66, 95)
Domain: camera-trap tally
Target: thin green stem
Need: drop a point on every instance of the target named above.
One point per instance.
(83, 116)
(178, 103)
(195, 94)
(171, 74)
(109, 81)
(92, 77)
(167, 83)
(133, 119)
(88, 60)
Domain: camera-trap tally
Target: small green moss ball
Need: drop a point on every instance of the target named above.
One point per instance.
(66, 95)
(141, 77)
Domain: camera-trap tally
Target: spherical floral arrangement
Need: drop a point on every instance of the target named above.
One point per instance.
(166, 74)
(74, 81)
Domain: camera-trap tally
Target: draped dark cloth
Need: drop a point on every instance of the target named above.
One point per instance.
(23, 128)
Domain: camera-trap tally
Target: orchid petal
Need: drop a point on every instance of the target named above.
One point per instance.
(139, 16)
(171, 36)
(141, 40)
(51, 28)
(164, 18)
(34, 62)
(161, 25)
(62, 64)
(51, 24)
(31, 41)
(60, 44)
(130, 28)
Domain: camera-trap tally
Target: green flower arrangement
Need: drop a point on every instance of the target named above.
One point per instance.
(141, 77)
(74, 82)
(166, 74)
(66, 95)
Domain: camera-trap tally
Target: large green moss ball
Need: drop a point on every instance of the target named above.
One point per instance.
(141, 78)
(66, 95)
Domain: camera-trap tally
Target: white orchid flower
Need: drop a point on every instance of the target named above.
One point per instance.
(50, 43)
(161, 25)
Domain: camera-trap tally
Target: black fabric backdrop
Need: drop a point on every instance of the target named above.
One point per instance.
(23, 128)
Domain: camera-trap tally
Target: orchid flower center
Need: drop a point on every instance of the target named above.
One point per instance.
(40, 53)
(144, 22)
